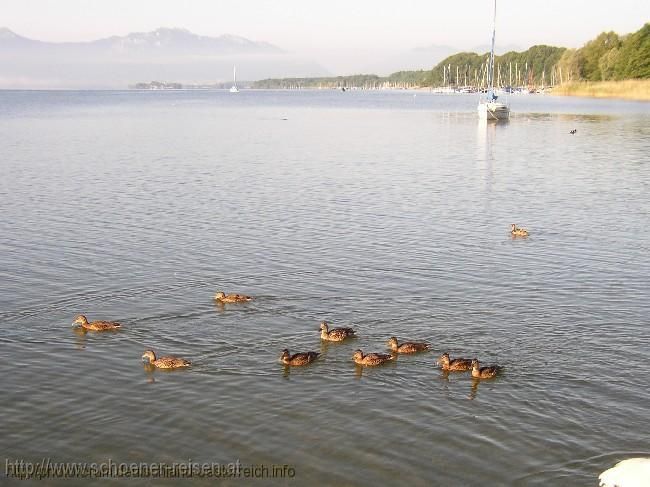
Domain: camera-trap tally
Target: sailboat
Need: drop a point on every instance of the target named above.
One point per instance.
(489, 108)
(234, 88)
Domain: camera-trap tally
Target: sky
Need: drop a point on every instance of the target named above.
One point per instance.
(334, 31)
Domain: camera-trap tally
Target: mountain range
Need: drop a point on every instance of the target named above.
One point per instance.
(163, 54)
(157, 42)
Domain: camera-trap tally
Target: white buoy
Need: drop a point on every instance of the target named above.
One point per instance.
(633, 472)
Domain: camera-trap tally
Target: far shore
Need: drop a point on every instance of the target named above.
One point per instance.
(631, 89)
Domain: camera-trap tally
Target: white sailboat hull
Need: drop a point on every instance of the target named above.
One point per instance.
(234, 89)
(493, 111)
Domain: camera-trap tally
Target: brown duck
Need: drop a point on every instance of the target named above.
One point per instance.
(407, 347)
(484, 372)
(456, 364)
(371, 359)
(95, 325)
(165, 362)
(515, 231)
(335, 334)
(302, 358)
(231, 298)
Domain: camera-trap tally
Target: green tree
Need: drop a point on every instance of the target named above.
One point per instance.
(634, 58)
(589, 56)
(607, 64)
(568, 66)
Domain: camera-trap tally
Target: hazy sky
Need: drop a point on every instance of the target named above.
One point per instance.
(330, 28)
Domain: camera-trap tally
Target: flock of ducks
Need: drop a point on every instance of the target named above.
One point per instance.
(326, 334)
(376, 358)
(305, 358)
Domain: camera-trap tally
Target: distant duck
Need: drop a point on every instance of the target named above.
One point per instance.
(231, 298)
(633, 472)
(165, 362)
(336, 334)
(407, 347)
(457, 364)
(371, 359)
(515, 231)
(573, 131)
(302, 358)
(484, 372)
(96, 325)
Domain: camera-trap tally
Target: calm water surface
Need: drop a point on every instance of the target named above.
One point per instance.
(387, 212)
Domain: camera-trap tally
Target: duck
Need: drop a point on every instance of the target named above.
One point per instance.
(515, 231)
(572, 132)
(231, 298)
(95, 325)
(302, 358)
(371, 359)
(165, 362)
(407, 347)
(336, 334)
(456, 364)
(484, 372)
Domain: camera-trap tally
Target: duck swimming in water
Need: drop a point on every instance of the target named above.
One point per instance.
(484, 372)
(515, 231)
(165, 362)
(335, 334)
(457, 364)
(371, 359)
(231, 298)
(302, 358)
(95, 325)
(407, 347)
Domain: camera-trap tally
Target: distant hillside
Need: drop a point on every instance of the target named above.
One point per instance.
(608, 57)
(533, 66)
(115, 62)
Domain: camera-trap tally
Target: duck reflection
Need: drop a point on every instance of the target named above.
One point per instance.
(80, 338)
(219, 306)
(286, 371)
(358, 371)
(324, 346)
(444, 376)
(474, 389)
(149, 370)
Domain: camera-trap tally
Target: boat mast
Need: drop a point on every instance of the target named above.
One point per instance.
(491, 96)
(234, 76)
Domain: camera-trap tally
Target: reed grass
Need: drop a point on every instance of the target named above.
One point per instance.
(631, 89)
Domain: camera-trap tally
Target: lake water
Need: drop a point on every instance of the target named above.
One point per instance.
(387, 212)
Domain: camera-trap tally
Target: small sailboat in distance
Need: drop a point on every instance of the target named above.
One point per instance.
(234, 88)
(489, 108)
